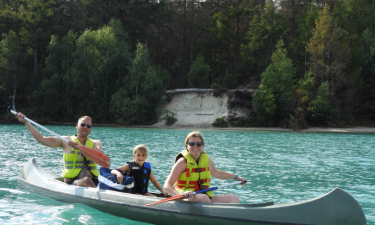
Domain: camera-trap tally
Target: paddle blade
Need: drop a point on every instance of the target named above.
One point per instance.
(96, 156)
(181, 196)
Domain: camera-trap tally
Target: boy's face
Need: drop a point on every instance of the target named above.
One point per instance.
(139, 157)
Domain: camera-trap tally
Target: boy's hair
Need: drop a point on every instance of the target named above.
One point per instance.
(141, 148)
(194, 134)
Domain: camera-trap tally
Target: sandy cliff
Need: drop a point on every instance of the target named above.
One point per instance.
(201, 107)
(195, 107)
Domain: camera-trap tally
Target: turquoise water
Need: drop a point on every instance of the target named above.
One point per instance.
(280, 166)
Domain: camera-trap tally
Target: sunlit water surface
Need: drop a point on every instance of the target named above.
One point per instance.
(280, 166)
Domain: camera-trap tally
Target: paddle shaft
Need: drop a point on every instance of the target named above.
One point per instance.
(181, 196)
(36, 124)
(214, 188)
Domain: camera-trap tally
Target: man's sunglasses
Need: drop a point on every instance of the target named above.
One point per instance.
(199, 144)
(88, 125)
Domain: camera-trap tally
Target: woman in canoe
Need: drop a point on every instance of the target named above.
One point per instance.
(192, 172)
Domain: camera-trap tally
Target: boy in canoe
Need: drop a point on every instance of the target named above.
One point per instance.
(78, 169)
(140, 170)
(192, 172)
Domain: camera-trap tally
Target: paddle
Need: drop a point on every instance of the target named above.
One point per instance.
(93, 154)
(181, 196)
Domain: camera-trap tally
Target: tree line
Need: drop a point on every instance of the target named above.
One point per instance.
(114, 59)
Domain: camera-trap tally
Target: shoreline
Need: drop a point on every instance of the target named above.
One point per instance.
(359, 129)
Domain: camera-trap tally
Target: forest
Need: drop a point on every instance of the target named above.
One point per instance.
(114, 59)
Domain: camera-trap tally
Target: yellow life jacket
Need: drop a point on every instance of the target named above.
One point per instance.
(195, 177)
(74, 161)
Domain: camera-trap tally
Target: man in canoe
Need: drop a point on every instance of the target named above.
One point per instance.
(78, 169)
(192, 172)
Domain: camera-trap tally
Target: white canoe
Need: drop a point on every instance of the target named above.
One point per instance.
(334, 208)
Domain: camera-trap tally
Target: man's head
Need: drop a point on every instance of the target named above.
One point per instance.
(84, 126)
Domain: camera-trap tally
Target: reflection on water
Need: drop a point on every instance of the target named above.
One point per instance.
(280, 166)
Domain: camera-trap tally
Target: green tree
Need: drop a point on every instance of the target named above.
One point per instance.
(137, 101)
(274, 98)
(57, 92)
(367, 76)
(37, 18)
(354, 17)
(198, 74)
(262, 37)
(12, 58)
(321, 109)
(303, 94)
(90, 67)
(306, 26)
(329, 50)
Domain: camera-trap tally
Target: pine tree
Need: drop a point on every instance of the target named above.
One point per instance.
(274, 98)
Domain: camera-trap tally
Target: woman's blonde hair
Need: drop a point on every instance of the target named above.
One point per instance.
(142, 148)
(194, 134)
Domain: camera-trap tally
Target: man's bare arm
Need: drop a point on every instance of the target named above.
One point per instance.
(53, 142)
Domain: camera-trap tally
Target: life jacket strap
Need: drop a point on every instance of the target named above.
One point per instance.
(196, 170)
(197, 184)
(79, 162)
(80, 167)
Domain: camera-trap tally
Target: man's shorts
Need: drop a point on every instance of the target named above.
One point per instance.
(95, 180)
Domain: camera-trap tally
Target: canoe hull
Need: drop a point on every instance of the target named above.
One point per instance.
(323, 210)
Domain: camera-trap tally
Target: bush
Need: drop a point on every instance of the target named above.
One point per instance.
(220, 122)
(170, 118)
(249, 121)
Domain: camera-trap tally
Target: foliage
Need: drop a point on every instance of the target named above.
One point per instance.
(354, 17)
(367, 82)
(220, 122)
(306, 24)
(303, 94)
(78, 70)
(226, 33)
(304, 89)
(322, 111)
(12, 59)
(138, 98)
(248, 121)
(329, 51)
(86, 71)
(274, 98)
(263, 36)
(198, 74)
(170, 118)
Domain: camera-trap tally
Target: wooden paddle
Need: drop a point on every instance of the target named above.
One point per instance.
(93, 154)
(181, 196)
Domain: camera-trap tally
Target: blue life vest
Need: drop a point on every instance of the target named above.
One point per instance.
(108, 181)
(141, 176)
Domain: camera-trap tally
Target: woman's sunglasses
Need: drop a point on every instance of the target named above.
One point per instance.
(199, 144)
(88, 125)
